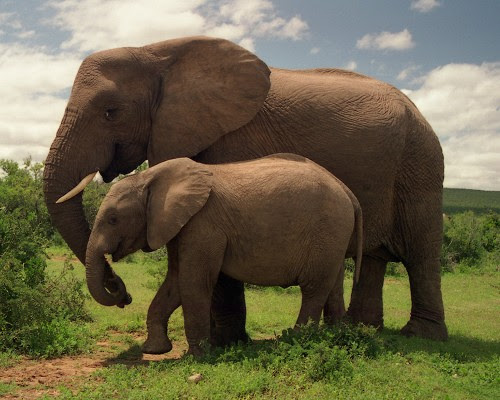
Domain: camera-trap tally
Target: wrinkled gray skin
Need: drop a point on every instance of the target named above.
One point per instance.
(211, 100)
(278, 220)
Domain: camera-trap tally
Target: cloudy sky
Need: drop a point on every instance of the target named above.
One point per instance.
(444, 54)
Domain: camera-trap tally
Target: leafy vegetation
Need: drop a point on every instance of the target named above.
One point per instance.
(471, 242)
(37, 312)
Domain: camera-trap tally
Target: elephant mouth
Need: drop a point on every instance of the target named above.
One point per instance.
(125, 248)
(108, 175)
(118, 255)
(127, 157)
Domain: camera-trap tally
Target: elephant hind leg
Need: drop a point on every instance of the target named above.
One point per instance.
(427, 312)
(319, 286)
(313, 301)
(421, 252)
(334, 309)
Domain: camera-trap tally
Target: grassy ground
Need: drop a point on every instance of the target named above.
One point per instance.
(362, 365)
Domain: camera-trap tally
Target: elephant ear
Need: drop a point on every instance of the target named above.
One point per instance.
(210, 87)
(176, 190)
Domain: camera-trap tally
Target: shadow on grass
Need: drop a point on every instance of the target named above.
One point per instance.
(357, 341)
(342, 341)
(459, 347)
(131, 357)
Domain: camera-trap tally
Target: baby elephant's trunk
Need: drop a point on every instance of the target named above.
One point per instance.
(100, 276)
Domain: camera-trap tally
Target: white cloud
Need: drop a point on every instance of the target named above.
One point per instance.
(351, 65)
(387, 41)
(424, 6)
(98, 24)
(26, 34)
(31, 106)
(246, 11)
(293, 29)
(407, 72)
(462, 103)
(10, 20)
(247, 43)
(315, 50)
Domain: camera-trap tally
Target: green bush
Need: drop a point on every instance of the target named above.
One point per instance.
(469, 240)
(21, 192)
(92, 198)
(38, 313)
(157, 262)
(43, 319)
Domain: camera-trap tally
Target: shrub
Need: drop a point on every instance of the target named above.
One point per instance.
(157, 267)
(36, 310)
(92, 198)
(42, 319)
(468, 238)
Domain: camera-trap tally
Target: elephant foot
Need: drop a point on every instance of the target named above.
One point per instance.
(224, 338)
(195, 351)
(157, 341)
(155, 346)
(424, 328)
(372, 318)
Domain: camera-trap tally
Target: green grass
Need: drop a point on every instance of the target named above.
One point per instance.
(479, 201)
(348, 363)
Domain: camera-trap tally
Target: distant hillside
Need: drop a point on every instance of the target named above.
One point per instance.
(479, 201)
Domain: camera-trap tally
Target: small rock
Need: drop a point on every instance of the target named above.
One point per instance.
(195, 378)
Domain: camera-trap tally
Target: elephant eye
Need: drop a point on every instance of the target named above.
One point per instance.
(110, 114)
(113, 220)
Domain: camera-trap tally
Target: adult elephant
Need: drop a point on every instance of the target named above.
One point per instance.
(215, 102)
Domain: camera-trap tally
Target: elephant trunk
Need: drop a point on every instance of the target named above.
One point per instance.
(98, 279)
(60, 176)
(67, 163)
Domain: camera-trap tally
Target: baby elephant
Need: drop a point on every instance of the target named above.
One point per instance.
(278, 220)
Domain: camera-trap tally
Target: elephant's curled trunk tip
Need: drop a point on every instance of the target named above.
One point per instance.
(78, 188)
(105, 286)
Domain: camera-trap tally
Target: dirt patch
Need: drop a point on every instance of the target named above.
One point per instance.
(36, 378)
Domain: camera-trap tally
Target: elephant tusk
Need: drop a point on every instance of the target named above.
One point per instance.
(78, 188)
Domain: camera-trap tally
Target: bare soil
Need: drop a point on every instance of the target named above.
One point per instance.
(35, 378)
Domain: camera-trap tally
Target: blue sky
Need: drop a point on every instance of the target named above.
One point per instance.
(444, 54)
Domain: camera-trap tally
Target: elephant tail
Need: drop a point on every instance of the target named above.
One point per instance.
(358, 227)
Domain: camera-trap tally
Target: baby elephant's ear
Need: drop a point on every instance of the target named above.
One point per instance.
(177, 190)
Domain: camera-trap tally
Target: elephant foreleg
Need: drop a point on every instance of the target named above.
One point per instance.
(366, 297)
(166, 301)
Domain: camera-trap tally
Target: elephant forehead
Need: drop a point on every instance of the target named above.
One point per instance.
(124, 192)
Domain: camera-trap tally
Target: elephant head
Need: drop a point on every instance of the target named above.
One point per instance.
(143, 211)
(158, 102)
